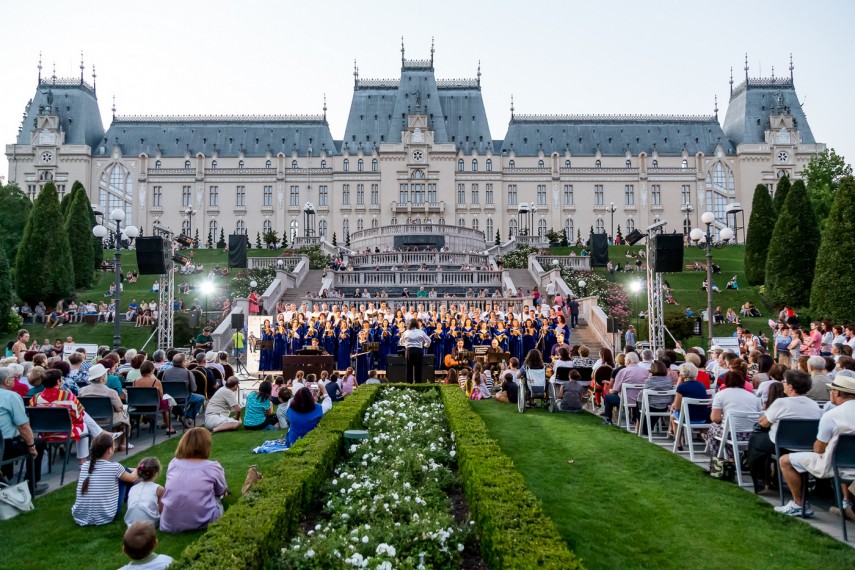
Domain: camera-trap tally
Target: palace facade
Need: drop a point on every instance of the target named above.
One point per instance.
(416, 149)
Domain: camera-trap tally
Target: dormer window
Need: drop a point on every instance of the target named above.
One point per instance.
(268, 164)
(655, 164)
(213, 165)
(360, 165)
(293, 164)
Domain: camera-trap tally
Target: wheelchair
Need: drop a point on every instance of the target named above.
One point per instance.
(535, 386)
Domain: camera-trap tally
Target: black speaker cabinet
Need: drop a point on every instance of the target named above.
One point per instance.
(669, 253)
(599, 250)
(396, 370)
(237, 321)
(237, 250)
(152, 256)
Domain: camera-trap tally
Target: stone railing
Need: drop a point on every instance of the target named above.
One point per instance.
(286, 262)
(533, 241)
(597, 321)
(222, 335)
(303, 241)
(409, 229)
(417, 278)
(329, 248)
(503, 249)
(398, 259)
(582, 262)
(482, 303)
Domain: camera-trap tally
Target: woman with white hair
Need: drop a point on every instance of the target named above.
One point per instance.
(98, 387)
(15, 372)
(688, 386)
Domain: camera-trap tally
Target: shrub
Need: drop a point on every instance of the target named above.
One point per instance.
(518, 258)
(251, 531)
(832, 296)
(513, 530)
(760, 228)
(5, 299)
(317, 258)
(611, 297)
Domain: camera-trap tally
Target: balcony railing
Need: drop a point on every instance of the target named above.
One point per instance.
(416, 259)
(571, 261)
(409, 229)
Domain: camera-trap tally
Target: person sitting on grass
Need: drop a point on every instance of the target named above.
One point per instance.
(144, 497)
(333, 387)
(305, 413)
(510, 389)
(732, 284)
(102, 487)
(572, 394)
(223, 411)
(731, 317)
(195, 485)
(259, 409)
(285, 397)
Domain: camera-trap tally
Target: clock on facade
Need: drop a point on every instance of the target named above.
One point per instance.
(418, 156)
(47, 157)
(783, 156)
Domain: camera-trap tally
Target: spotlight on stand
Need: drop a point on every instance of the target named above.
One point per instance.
(634, 237)
(184, 241)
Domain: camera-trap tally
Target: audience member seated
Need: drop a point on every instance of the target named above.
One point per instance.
(305, 413)
(258, 414)
(733, 398)
(223, 410)
(284, 394)
(573, 393)
(139, 544)
(18, 437)
(195, 485)
(179, 373)
(97, 387)
(102, 487)
(144, 498)
(820, 381)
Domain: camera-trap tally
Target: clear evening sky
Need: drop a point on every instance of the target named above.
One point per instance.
(253, 57)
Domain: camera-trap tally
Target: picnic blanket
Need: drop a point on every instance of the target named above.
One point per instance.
(271, 446)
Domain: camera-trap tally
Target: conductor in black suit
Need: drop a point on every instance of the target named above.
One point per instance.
(414, 340)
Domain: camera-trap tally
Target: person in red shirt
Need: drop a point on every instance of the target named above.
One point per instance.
(815, 339)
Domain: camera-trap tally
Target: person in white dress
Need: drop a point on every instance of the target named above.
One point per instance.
(144, 498)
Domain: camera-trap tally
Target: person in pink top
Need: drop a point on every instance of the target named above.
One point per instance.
(195, 485)
(815, 339)
(348, 383)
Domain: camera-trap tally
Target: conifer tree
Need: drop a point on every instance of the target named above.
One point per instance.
(221, 243)
(334, 239)
(209, 243)
(258, 240)
(78, 228)
(66, 200)
(792, 250)
(832, 297)
(781, 191)
(5, 285)
(43, 270)
(498, 237)
(759, 235)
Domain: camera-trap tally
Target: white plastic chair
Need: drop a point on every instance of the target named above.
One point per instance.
(686, 427)
(729, 433)
(646, 413)
(623, 410)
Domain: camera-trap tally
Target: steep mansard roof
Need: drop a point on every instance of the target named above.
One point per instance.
(754, 100)
(75, 103)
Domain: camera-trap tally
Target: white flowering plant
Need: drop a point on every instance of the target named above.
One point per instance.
(386, 505)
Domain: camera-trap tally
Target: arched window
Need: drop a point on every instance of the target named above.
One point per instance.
(566, 164)
(629, 163)
(294, 228)
(240, 164)
(441, 221)
(630, 225)
(185, 227)
(212, 232)
(540, 164)
(322, 228)
(240, 227)
(489, 165)
(323, 164)
(268, 164)
(685, 163)
(687, 226)
(293, 164)
(655, 164)
(460, 165)
(512, 164)
(568, 229)
(474, 165)
(213, 165)
(512, 228)
(359, 225)
(266, 228)
(46, 175)
(345, 228)
(461, 222)
(418, 174)
(360, 165)
(375, 166)
(375, 222)
(394, 221)
(601, 226)
(186, 165)
(346, 165)
(598, 164)
(475, 223)
(488, 229)
(541, 228)
(116, 190)
(157, 164)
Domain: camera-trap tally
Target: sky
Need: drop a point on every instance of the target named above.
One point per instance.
(596, 57)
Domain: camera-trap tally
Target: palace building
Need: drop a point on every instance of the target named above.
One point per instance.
(415, 150)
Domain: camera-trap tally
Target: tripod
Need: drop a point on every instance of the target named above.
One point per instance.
(236, 362)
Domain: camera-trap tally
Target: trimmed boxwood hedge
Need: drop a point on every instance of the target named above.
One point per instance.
(253, 529)
(509, 521)
(511, 526)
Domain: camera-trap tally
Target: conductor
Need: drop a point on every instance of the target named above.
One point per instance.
(414, 340)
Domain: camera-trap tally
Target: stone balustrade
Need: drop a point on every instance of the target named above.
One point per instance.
(417, 278)
(399, 259)
(581, 262)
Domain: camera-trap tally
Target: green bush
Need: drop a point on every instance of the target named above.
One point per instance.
(253, 529)
(518, 258)
(509, 521)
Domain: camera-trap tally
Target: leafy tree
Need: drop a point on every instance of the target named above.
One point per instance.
(553, 237)
(15, 207)
(792, 250)
(831, 296)
(823, 175)
(498, 238)
(221, 243)
(43, 270)
(5, 285)
(334, 239)
(781, 191)
(258, 240)
(759, 235)
(78, 228)
(271, 239)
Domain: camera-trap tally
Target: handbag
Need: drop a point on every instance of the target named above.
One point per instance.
(722, 469)
(14, 500)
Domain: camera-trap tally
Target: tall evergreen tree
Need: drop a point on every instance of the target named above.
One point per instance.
(5, 285)
(209, 243)
(43, 270)
(792, 250)
(781, 191)
(498, 238)
(334, 239)
(221, 243)
(78, 228)
(97, 243)
(15, 208)
(760, 228)
(66, 201)
(832, 297)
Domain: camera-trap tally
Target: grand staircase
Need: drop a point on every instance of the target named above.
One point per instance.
(311, 284)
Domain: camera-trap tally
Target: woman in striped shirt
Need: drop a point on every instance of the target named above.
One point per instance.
(103, 485)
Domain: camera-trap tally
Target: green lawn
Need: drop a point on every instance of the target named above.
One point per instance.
(49, 538)
(625, 503)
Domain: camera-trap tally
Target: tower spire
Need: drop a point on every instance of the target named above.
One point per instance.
(82, 67)
(791, 67)
(746, 69)
(402, 51)
(93, 77)
(773, 72)
(431, 52)
(512, 106)
(40, 67)
(325, 107)
(715, 108)
(114, 107)
(479, 73)
(355, 74)
(731, 81)
(54, 73)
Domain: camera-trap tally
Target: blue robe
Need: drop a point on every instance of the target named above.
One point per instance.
(329, 343)
(363, 364)
(386, 346)
(515, 345)
(266, 356)
(343, 360)
(467, 339)
(279, 344)
(503, 342)
(529, 341)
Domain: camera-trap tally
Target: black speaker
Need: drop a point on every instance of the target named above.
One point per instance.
(612, 325)
(152, 256)
(633, 237)
(237, 250)
(669, 253)
(599, 250)
(237, 321)
(396, 370)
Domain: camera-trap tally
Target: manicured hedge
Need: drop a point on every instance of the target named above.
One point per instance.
(254, 528)
(510, 523)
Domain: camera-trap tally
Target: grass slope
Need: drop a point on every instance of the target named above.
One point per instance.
(68, 546)
(625, 503)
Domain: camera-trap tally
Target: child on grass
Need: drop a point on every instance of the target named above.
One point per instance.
(139, 544)
(144, 498)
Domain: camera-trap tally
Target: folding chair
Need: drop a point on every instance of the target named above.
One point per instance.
(179, 392)
(729, 433)
(623, 409)
(794, 436)
(229, 371)
(55, 421)
(201, 382)
(646, 412)
(25, 459)
(100, 409)
(685, 426)
(144, 402)
(843, 458)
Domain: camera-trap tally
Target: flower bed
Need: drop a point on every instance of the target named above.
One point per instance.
(387, 504)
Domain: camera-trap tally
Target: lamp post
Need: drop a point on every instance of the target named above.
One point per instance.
(611, 210)
(190, 213)
(129, 233)
(705, 240)
(582, 287)
(687, 209)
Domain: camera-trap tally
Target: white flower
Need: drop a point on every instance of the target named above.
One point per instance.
(452, 453)
(364, 540)
(459, 547)
(310, 553)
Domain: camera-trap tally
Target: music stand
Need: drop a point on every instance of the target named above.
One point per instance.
(371, 347)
